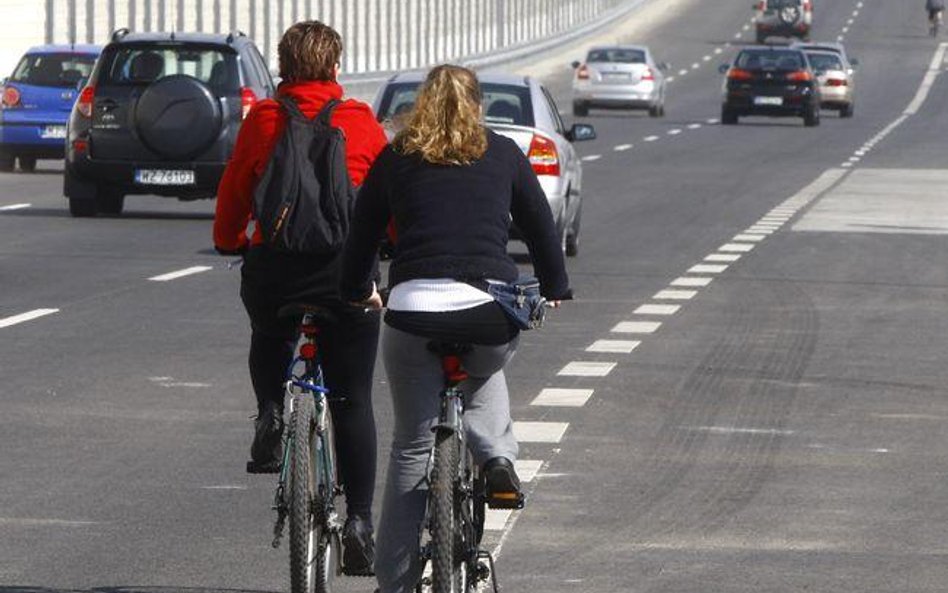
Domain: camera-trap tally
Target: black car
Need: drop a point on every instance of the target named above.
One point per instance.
(160, 115)
(775, 81)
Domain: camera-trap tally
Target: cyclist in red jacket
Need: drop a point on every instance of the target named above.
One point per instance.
(309, 63)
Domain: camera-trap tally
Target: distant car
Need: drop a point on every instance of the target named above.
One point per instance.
(783, 18)
(831, 46)
(620, 76)
(37, 99)
(774, 81)
(160, 115)
(520, 108)
(836, 80)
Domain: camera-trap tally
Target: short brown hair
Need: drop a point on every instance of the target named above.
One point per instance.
(445, 126)
(309, 50)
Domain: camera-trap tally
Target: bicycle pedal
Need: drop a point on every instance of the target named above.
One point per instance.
(271, 467)
(505, 500)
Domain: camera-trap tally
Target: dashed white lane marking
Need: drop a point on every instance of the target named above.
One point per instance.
(527, 468)
(650, 138)
(224, 487)
(691, 281)
(854, 159)
(14, 207)
(670, 79)
(695, 66)
(622, 147)
(748, 237)
(840, 38)
(713, 120)
(736, 247)
(675, 295)
(851, 21)
(28, 316)
(707, 268)
(40, 522)
(613, 346)
(847, 164)
(539, 432)
(694, 126)
(674, 132)
(636, 327)
(845, 30)
(759, 231)
(591, 157)
(585, 368)
(718, 51)
(180, 273)
(739, 430)
(746, 28)
(728, 257)
(705, 58)
(656, 309)
(567, 398)
(682, 72)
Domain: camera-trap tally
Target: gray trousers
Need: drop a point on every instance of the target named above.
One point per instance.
(416, 383)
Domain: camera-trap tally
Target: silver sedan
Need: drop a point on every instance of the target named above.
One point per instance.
(835, 78)
(520, 108)
(619, 76)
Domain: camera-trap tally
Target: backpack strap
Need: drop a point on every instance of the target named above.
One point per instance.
(325, 113)
(292, 109)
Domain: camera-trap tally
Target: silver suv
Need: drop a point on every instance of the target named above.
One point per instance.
(784, 18)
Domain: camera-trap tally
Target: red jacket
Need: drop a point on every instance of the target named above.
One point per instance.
(365, 139)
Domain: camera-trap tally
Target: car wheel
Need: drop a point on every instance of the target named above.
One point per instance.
(28, 164)
(80, 208)
(109, 202)
(7, 162)
(846, 110)
(580, 109)
(572, 235)
(811, 117)
(656, 110)
(728, 117)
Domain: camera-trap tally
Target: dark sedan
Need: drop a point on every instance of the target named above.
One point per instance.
(770, 81)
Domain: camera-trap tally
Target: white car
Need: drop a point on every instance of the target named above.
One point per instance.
(520, 108)
(619, 76)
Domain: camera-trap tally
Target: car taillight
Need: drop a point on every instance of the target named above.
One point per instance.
(807, 7)
(84, 104)
(649, 75)
(543, 156)
(80, 145)
(837, 82)
(247, 100)
(11, 97)
(582, 73)
(739, 74)
(799, 76)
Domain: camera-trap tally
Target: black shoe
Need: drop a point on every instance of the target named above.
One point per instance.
(266, 453)
(502, 484)
(358, 555)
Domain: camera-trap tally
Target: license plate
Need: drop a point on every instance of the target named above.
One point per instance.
(615, 76)
(768, 100)
(53, 132)
(164, 177)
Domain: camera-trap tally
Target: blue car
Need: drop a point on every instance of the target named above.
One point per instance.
(37, 100)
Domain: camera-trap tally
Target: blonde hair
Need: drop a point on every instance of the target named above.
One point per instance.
(445, 126)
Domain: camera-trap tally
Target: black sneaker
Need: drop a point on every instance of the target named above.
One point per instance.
(502, 484)
(266, 453)
(358, 555)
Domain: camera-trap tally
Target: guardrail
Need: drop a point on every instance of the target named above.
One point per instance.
(380, 35)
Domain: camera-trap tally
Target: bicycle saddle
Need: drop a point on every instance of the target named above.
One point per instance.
(321, 315)
(448, 348)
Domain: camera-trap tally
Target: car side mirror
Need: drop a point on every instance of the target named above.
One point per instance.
(581, 132)
(81, 83)
(575, 64)
(723, 68)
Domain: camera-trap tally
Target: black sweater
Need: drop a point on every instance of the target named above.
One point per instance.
(452, 221)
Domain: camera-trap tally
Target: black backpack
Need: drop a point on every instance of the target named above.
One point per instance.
(304, 198)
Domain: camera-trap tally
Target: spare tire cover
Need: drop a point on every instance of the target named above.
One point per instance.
(178, 117)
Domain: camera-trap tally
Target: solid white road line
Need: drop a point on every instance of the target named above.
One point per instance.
(14, 207)
(728, 257)
(675, 295)
(180, 273)
(691, 281)
(656, 309)
(566, 398)
(496, 519)
(585, 368)
(613, 346)
(636, 327)
(707, 268)
(28, 316)
(539, 432)
(933, 70)
(527, 468)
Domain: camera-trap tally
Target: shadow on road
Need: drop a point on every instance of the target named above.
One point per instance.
(125, 589)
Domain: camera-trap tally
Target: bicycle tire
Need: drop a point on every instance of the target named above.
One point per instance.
(328, 546)
(304, 538)
(446, 564)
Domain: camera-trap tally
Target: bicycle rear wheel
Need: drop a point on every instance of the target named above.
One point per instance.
(328, 545)
(309, 542)
(449, 572)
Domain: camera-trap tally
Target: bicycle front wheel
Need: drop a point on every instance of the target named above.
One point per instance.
(448, 566)
(306, 533)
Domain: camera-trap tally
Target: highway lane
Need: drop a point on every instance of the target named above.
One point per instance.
(137, 427)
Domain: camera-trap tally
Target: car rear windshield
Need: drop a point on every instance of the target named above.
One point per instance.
(133, 65)
(57, 70)
(770, 60)
(778, 4)
(825, 61)
(622, 56)
(503, 103)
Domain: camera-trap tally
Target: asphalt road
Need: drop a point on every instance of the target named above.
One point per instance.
(776, 423)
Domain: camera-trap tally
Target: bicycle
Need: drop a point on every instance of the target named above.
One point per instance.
(454, 519)
(307, 487)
